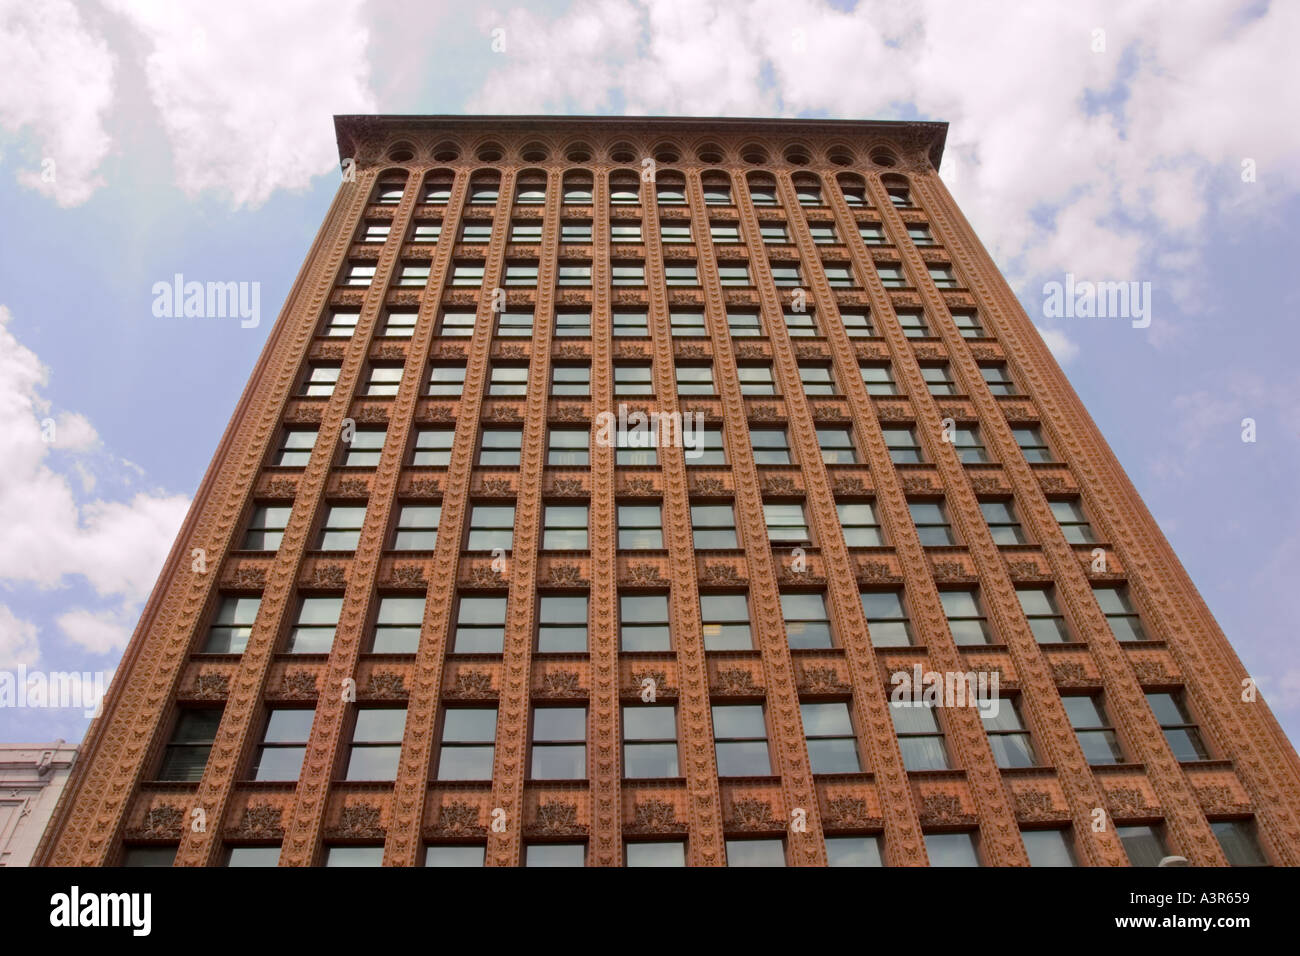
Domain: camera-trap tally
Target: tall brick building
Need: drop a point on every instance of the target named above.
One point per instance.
(425, 609)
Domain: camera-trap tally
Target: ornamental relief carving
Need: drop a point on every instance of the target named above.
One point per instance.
(261, 820)
(850, 813)
(821, 680)
(645, 575)
(721, 574)
(211, 686)
(944, 809)
(656, 816)
(472, 684)
(163, 821)
(737, 681)
(562, 684)
(751, 815)
(359, 820)
(385, 685)
(425, 487)
(299, 684)
(566, 575)
(247, 578)
(1035, 805)
(329, 577)
(658, 679)
(557, 819)
(460, 818)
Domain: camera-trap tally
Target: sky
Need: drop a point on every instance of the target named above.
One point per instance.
(1134, 142)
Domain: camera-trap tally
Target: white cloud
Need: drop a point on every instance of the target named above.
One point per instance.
(118, 547)
(18, 645)
(1070, 160)
(1062, 348)
(100, 632)
(247, 90)
(58, 84)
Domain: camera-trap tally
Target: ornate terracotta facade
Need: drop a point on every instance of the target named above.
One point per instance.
(864, 175)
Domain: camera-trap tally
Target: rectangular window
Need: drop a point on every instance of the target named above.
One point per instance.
(426, 232)
(529, 193)
(931, 520)
(740, 740)
(724, 233)
(508, 380)
(390, 193)
(575, 274)
(467, 274)
(770, 446)
(725, 620)
(468, 743)
(903, 446)
(756, 852)
(859, 523)
(460, 324)
(913, 324)
(672, 235)
(1097, 738)
(491, 527)
(573, 324)
(839, 277)
(397, 625)
(284, 744)
(713, 452)
(816, 378)
(515, 324)
(998, 379)
(446, 380)
(376, 743)
(898, 195)
(828, 729)
(671, 194)
(774, 234)
(756, 380)
(1008, 738)
(762, 193)
(359, 275)
(681, 273)
(1049, 847)
(801, 324)
(1032, 445)
(341, 325)
(500, 447)
(1003, 524)
(786, 523)
(854, 851)
(919, 233)
(365, 448)
(969, 445)
(626, 453)
(1120, 613)
(968, 324)
(571, 380)
(318, 619)
(919, 737)
(384, 380)
(414, 274)
(522, 232)
(879, 378)
(342, 528)
(321, 379)
(943, 277)
(480, 625)
(808, 194)
(568, 447)
(627, 273)
(573, 233)
(687, 323)
(743, 324)
(241, 856)
(432, 446)
(559, 743)
(695, 379)
(737, 275)
(640, 527)
(417, 527)
(191, 742)
(823, 235)
(1074, 523)
(631, 323)
(476, 231)
(1181, 732)
(562, 624)
(649, 742)
(938, 379)
(266, 527)
(1144, 845)
(625, 232)
(965, 616)
(565, 528)
(643, 622)
(887, 620)
(437, 192)
(786, 276)
(717, 194)
(891, 276)
(633, 380)
(807, 622)
(232, 625)
(1239, 842)
(1045, 618)
(857, 324)
(714, 526)
(555, 854)
(872, 233)
(837, 446)
(400, 325)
